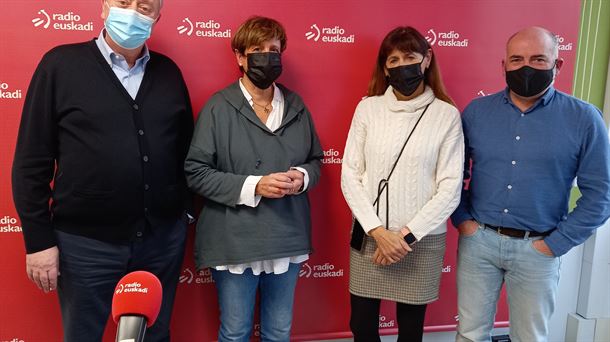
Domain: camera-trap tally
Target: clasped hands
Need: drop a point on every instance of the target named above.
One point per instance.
(280, 184)
(391, 246)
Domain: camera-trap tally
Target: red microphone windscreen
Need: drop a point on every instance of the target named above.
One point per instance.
(137, 293)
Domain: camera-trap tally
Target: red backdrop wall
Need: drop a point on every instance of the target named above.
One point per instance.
(331, 51)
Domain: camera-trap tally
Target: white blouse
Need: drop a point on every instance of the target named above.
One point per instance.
(426, 184)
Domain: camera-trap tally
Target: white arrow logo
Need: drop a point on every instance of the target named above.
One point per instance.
(431, 38)
(40, 21)
(187, 27)
(314, 33)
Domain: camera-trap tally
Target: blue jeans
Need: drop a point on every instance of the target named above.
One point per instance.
(487, 259)
(90, 270)
(237, 297)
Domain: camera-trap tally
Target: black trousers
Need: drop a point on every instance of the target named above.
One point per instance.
(364, 320)
(90, 270)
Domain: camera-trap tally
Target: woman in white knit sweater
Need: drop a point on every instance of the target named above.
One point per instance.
(399, 255)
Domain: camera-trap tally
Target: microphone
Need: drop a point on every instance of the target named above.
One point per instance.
(135, 305)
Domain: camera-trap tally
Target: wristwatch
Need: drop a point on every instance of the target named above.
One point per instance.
(408, 236)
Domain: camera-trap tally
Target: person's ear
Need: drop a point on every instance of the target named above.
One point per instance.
(429, 58)
(558, 65)
(104, 14)
(240, 58)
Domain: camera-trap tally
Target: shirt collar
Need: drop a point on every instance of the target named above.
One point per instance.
(548, 96)
(543, 101)
(108, 53)
(277, 94)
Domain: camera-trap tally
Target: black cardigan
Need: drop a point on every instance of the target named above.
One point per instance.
(116, 162)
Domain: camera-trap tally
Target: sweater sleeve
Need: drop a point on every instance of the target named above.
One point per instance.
(186, 134)
(462, 212)
(34, 161)
(448, 182)
(202, 174)
(353, 171)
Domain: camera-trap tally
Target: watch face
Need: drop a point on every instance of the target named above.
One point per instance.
(410, 239)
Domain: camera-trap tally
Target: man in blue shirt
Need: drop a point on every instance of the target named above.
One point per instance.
(527, 144)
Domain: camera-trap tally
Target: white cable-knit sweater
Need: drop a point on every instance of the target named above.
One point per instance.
(425, 187)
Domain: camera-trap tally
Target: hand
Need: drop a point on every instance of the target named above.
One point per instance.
(468, 227)
(378, 259)
(297, 178)
(542, 247)
(274, 185)
(391, 244)
(43, 268)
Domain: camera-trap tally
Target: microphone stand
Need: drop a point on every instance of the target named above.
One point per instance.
(131, 328)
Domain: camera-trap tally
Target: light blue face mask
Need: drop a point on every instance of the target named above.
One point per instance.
(128, 28)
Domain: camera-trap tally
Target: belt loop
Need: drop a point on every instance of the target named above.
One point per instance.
(526, 235)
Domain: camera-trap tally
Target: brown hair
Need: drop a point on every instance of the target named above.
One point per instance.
(406, 39)
(256, 30)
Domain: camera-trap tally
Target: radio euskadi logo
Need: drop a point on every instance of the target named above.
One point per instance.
(334, 34)
(384, 323)
(326, 270)
(9, 224)
(201, 277)
(446, 38)
(6, 92)
(131, 287)
(563, 44)
(68, 21)
(204, 28)
(332, 156)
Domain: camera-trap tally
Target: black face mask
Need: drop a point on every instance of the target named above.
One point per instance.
(406, 78)
(527, 81)
(264, 68)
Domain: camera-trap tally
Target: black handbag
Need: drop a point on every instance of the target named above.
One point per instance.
(357, 239)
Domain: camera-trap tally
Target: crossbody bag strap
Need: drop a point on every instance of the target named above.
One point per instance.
(383, 184)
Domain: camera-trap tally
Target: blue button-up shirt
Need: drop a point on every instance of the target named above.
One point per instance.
(524, 165)
(130, 78)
